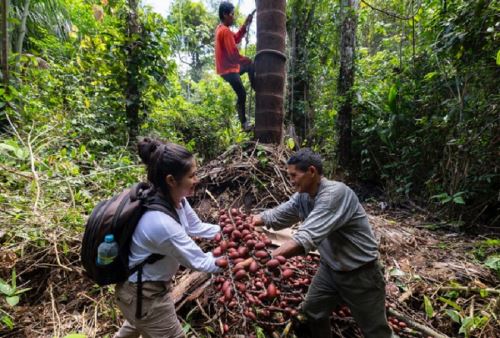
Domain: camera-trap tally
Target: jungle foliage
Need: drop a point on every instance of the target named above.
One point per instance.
(425, 118)
(425, 101)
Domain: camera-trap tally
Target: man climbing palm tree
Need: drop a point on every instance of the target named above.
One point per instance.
(228, 62)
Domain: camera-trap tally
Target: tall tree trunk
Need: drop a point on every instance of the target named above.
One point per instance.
(22, 31)
(5, 42)
(299, 73)
(196, 66)
(132, 93)
(346, 79)
(270, 63)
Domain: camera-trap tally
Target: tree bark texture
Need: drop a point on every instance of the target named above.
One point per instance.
(132, 93)
(346, 80)
(298, 77)
(270, 70)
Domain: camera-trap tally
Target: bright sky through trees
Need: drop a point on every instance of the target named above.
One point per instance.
(163, 6)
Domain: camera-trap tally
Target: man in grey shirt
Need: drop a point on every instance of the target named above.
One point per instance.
(335, 223)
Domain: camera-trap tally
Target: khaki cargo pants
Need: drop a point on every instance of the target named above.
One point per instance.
(158, 311)
(363, 290)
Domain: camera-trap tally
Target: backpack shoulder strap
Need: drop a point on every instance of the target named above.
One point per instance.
(150, 260)
(138, 268)
(157, 202)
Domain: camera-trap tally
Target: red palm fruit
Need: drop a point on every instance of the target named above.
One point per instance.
(243, 251)
(236, 234)
(254, 266)
(271, 291)
(261, 254)
(250, 243)
(241, 287)
(217, 251)
(228, 229)
(273, 264)
(223, 245)
(251, 315)
(281, 259)
(221, 262)
(248, 237)
(240, 274)
(228, 295)
(245, 232)
(287, 273)
(238, 260)
(226, 285)
(259, 246)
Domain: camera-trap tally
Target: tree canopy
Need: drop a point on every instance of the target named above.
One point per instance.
(411, 85)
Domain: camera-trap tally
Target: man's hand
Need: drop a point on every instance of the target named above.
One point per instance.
(222, 262)
(248, 20)
(257, 222)
(288, 249)
(245, 61)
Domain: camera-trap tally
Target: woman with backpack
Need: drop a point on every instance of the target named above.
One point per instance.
(171, 170)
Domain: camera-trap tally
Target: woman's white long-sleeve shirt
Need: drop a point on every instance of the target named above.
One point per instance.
(159, 233)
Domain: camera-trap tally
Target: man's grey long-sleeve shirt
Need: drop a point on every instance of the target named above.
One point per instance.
(334, 222)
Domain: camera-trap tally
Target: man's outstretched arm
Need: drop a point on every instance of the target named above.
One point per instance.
(289, 249)
(238, 36)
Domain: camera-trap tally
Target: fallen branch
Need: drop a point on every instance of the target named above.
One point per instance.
(56, 320)
(57, 257)
(15, 172)
(407, 294)
(425, 329)
(468, 289)
(34, 172)
(188, 282)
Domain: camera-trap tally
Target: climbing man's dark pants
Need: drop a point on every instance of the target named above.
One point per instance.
(363, 290)
(234, 80)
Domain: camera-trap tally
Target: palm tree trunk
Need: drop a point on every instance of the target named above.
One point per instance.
(22, 30)
(346, 79)
(270, 71)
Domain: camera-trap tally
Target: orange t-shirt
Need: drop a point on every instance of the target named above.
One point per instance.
(227, 56)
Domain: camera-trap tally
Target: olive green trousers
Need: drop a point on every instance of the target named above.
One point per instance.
(363, 290)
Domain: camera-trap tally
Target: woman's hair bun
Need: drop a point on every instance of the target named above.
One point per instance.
(147, 148)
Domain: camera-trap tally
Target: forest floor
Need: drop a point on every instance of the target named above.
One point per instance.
(435, 284)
